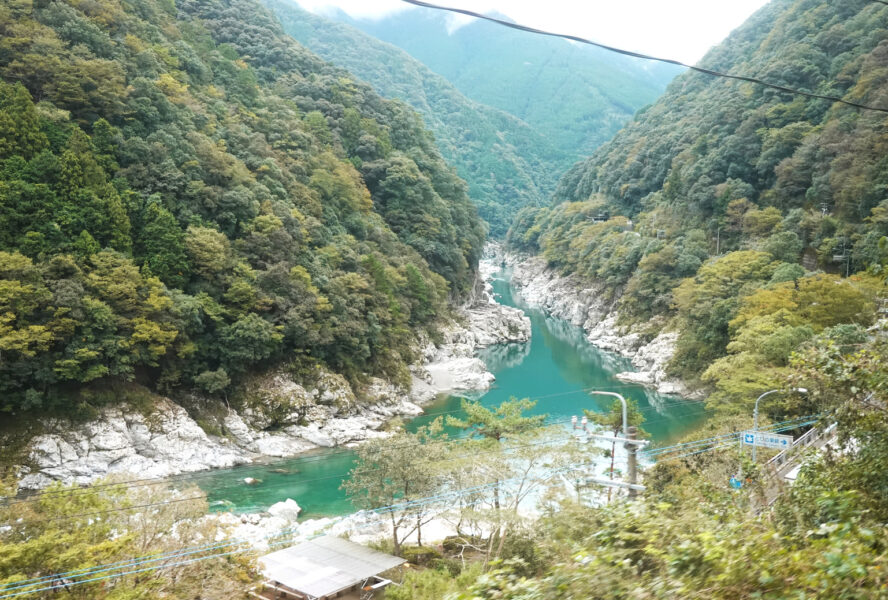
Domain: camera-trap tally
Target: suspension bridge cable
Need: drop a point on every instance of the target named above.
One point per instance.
(705, 71)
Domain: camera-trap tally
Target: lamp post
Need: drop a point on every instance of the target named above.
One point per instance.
(625, 410)
(755, 414)
(629, 434)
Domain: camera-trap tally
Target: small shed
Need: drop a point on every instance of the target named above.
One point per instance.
(324, 568)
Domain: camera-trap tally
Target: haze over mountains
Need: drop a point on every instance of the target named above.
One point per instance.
(216, 247)
(506, 163)
(511, 113)
(578, 96)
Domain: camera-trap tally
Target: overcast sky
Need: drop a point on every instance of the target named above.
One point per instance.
(680, 29)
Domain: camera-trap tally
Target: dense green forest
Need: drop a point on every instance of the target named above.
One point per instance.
(507, 164)
(187, 194)
(576, 96)
(692, 536)
(735, 213)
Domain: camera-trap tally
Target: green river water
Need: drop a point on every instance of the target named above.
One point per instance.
(555, 367)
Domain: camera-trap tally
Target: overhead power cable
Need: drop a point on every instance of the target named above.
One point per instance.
(505, 450)
(89, 575)
(640, 55)
(218, 549)
(193, 477)
(653, 454)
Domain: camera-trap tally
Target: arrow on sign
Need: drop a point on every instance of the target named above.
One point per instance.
(768, 440)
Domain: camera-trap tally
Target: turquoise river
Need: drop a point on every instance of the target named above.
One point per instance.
(555, 367)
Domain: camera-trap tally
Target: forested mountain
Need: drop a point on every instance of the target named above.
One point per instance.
(748, 206)
(576, 96)
(506, 163)
(187, 194)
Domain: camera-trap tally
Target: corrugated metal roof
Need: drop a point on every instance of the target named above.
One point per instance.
(326, 565)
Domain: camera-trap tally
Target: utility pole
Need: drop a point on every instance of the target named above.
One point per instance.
(632, 469)
(630, 441)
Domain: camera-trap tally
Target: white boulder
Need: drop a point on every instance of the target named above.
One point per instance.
(288, 510)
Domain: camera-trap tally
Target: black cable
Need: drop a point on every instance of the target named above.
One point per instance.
(647, 56)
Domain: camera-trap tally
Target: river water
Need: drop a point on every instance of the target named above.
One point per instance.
(556, 368)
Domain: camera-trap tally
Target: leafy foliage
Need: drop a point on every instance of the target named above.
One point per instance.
(576, 96)
(187, 194)
(692, 536)
(74, 529)
(506, 163)
(725, 196)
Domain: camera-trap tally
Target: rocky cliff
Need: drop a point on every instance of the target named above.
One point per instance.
(589, 307)
(284, 416)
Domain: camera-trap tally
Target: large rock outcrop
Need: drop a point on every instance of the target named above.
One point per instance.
(587, 306)
(279, 417)
(165, 440)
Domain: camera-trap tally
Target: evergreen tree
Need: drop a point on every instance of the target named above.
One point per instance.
(20, 133)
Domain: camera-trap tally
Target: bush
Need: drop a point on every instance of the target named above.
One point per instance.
(420, 555)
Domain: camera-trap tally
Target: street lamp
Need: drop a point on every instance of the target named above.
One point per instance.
(755, 414)
(623, 401)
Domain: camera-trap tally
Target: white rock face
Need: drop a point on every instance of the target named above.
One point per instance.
(453, 365)
(284, 418)
(588, 307)
(167, 443)
(170, 442)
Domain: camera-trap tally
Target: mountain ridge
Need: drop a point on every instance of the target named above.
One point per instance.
(486, 61)
(507, 164)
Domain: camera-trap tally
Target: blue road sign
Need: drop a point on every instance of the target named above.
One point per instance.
(767, 440)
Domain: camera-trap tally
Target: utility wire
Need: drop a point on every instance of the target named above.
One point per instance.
(57, 581)
(670, 61)
(650, 455)
(15, 589)
(139, 483)
(447, 496)
(191, 477)
(505, 450)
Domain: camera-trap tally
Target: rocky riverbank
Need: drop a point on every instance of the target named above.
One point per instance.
(587, 306)
(284, 416)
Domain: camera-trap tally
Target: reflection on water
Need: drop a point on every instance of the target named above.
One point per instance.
(556, 368)
(504, 356)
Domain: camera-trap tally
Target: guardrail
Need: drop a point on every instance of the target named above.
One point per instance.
(779, 463)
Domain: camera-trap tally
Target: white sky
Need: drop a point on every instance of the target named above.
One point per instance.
(680, 29)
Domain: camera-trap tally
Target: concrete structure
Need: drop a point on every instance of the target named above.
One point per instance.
(324, 568)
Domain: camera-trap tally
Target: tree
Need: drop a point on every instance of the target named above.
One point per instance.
(708, 302)
(507, 419)
(491, 428)
(208, 249)
(20, 133)
(247, 341)
(395, 471)
(213, 382)
(161, 246)
(72, 528)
